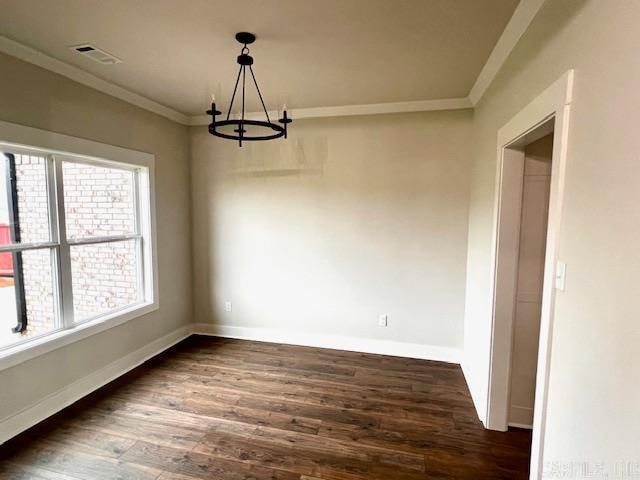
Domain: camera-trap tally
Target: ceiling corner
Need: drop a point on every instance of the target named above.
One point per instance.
(522, 17)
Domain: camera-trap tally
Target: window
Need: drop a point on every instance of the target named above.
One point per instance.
(75, 242)
(104, 240)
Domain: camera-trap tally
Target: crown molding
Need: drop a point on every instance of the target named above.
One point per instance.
(352, 110)
(517, 25)
(522, 17)
(31, 55)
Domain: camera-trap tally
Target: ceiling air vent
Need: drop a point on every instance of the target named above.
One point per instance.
(95, 54)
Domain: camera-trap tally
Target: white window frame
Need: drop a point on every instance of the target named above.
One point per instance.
(58, 148)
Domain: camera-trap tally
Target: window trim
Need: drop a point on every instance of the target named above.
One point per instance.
(32, 140)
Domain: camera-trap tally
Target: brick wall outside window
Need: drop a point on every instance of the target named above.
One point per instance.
(33, 209)
(98, 202)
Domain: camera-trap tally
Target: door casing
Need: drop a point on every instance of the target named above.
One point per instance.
(547, 112)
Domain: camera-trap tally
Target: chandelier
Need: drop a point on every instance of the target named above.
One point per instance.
(274, 130)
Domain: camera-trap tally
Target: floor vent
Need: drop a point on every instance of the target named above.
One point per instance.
(95, 54)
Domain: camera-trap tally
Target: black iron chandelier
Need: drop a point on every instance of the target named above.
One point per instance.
(275, 130)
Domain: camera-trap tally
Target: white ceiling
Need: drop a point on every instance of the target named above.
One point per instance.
(309, 53)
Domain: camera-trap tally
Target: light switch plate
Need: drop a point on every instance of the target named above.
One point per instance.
(382, 320)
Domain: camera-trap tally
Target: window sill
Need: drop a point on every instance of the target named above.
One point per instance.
(28, 350)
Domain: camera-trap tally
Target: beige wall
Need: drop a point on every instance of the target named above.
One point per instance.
(347, 219)
(594, 393)
(38, 98)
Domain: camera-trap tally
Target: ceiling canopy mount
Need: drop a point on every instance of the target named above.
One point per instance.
(245, 38)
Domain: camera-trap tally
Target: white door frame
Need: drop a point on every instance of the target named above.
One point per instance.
(554, 103)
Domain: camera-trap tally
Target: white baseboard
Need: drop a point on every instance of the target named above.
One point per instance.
(520, 416)
(53, 403)
(334, 342)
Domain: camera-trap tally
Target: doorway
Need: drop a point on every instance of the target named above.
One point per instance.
(529, 281)
(546, 116)
(520, 265)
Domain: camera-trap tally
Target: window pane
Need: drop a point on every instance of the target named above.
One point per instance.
(98, 201)
(105, 277)
(26, 292)
(24, 207)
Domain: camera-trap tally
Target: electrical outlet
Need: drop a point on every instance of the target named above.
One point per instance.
(382, 320)
(227, 306)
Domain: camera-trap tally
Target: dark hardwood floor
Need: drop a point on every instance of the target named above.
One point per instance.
(228, 409)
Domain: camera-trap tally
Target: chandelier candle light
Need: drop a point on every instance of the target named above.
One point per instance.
(240, 132)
